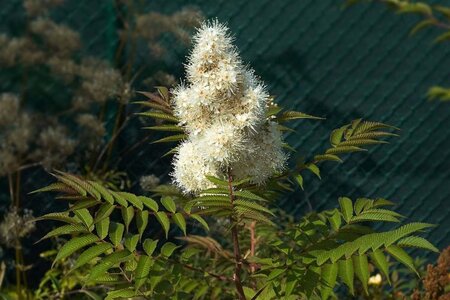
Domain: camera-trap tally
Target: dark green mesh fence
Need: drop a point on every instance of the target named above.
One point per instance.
(319, 59)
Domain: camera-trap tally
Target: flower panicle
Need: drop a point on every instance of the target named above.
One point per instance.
(222, 106)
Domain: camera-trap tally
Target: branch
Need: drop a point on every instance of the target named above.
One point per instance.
(237, 251)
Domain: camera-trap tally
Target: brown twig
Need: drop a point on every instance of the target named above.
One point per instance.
(220, 277)
(237, 250)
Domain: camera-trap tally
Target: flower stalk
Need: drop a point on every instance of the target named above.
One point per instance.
(236, 248)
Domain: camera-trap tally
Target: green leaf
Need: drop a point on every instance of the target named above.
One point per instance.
(169, 204)
(91, 253)
(127, 215)
(141, 222)
(108, 262)
(66, 229)
(382, 202)
(344, 149)
(164, 221)
(85, 217)
(172, 138)
(119, 199)
(443, 10)
(346, 208)
(80, 204)
(329, 275)
(335, 220)
(248, 195)
(299, 179)
(166, 127)
(360, 204)
(404, 231)
(168, 248)
(273, 110)
(131, 265)
(336, 136)
(149, 202)
(211, 199)
(439, 92)
(75, 186)
(248, 213)
(373, 216)
(253, 206)
(108, 279)
(163, 92)
(241, 182)
(217, 181)
(346, 273)
(102, 228)
(315, 169)
(131, 241)
(215, 191)
(421, 25)
(159, 115)
(200, 220)
(275, 273)
(133, 199)
(91, 295)
(80, 182)
(294, 115)
(57, 186)
(74, 245)
(103, 212)
(116, 233)
(325, 157)
(380, 261)
(178, 218)
(417, 242)
(149, 246)
(420, 8)
(103, 192)
(60, 216)
(142, 270)
(443, 37)
(121, 294)
(361, 266)
(400, 255)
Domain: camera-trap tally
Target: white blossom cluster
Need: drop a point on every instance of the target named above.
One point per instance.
(223, 109)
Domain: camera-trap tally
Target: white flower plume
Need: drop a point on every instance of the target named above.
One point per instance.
(222, 107)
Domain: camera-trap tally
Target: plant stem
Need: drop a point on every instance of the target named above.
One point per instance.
(217, 276)
(18, 275)
(11, 188)
(16, 248)
(237, 250)
(17, 192)
(252, 229)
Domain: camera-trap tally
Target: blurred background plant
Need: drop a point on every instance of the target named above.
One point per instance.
(72, 129)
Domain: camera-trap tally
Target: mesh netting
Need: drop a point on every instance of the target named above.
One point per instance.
(315, 58)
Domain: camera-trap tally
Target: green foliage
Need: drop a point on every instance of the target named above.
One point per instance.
(124, 241)
(350, 138)
(308, 259)
(103, 234)
(337, 245)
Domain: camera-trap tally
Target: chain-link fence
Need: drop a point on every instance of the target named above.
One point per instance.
(319, 59)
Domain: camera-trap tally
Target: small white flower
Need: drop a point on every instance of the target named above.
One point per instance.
(375, 280)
